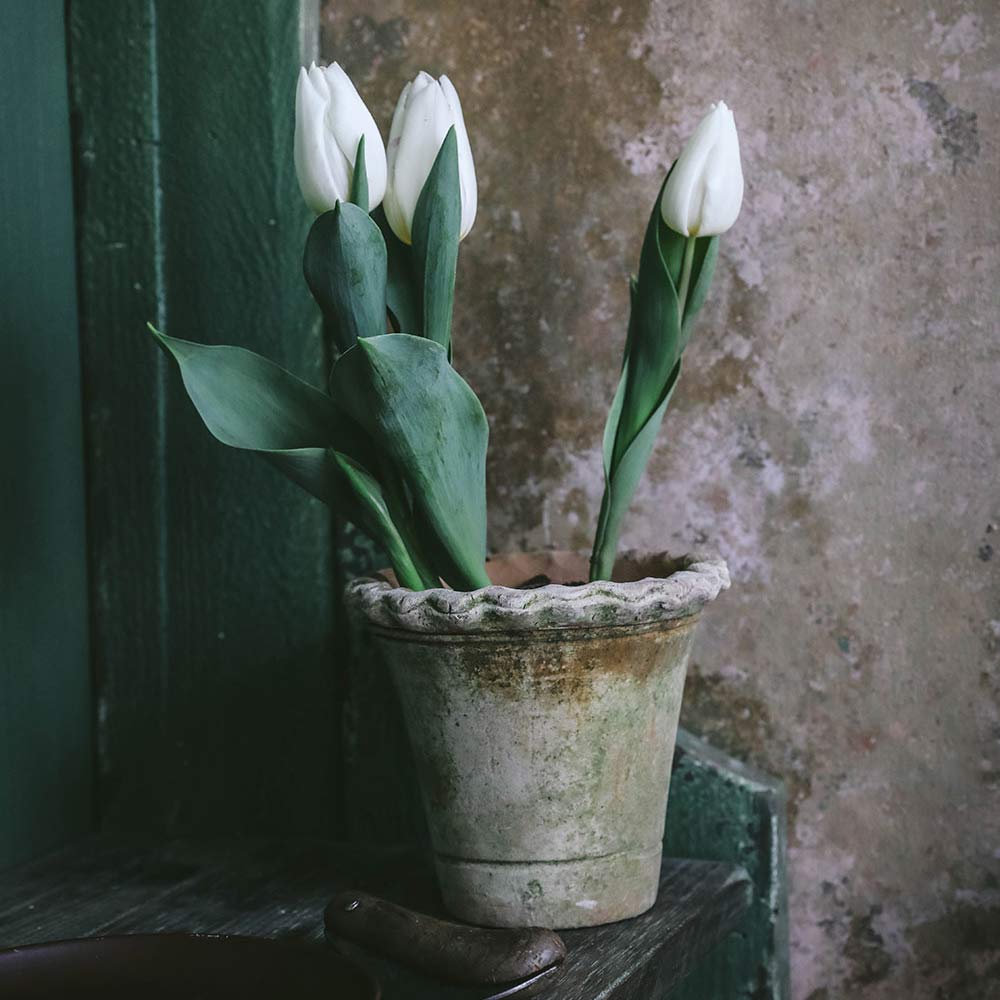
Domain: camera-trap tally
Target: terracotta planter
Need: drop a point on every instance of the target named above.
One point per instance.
(543, 724)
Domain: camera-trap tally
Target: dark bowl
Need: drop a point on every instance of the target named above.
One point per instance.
(180, 967)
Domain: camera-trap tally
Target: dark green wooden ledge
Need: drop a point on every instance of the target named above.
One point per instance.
(722, 809)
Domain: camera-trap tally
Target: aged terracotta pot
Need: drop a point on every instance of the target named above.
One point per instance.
(543, 724)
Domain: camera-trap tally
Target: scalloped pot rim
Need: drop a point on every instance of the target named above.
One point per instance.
(688, 583)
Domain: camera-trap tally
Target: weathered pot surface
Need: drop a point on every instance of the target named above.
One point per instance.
(543, 724)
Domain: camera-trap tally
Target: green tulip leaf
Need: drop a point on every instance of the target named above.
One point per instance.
(611, 424)
(399, 502)
(437, 223)
(622, 480)
(359, 181)
(424, 418)
(671, 247)
(657, 336)
(401, 296)
(345, 268)
(706, 253)
(369, 509)
(309, 468)
(653, 344)
(251, 403)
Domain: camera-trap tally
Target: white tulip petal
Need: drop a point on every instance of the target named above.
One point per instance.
(425, 122)
(422, 80)
(723, 195)
(347, 115)
(330, 118)
(704, 192)
(348, 119)
(466, 166)
(682, 195)
(396, 128)
(426, 110)
(378, 172)
(390, 204)
(321, 182)
(318, 80)
(723, 178)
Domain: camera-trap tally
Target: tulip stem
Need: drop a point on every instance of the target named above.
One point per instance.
(682, 289)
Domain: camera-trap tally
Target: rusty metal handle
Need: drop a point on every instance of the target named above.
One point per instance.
(446, 950)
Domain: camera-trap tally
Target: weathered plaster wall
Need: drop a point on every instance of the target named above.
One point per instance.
(835, 432)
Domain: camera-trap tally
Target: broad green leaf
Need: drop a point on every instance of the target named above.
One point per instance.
(671, 246)
(311, 469)
(657, 336)
(373, 515)
(653, 338)
(426, 420)
(399, 502)
(620, 485)
(401, 297)
(611, 424)
(437, 222)
(345, 268)
(251, 403)
(359, 182)
(706, 253)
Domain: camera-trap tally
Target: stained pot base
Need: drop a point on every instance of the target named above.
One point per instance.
(557, 894)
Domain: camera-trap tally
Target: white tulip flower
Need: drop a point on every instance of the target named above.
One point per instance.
(330, 119)
(704, 192)
(426, 110)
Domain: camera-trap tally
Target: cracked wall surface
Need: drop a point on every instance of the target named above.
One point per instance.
(834, 434)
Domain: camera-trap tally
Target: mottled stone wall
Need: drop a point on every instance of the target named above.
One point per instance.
(835, 431)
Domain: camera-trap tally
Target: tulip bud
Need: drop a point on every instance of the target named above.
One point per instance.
(704, 191)
(426, 110)
(330, 119)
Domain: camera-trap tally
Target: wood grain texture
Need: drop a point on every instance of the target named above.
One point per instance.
(45, 697)
(278, 888)
(213, 580)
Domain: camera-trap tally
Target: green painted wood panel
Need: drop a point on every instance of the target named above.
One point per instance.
(45, 705)
(213, 579)
(723, 810)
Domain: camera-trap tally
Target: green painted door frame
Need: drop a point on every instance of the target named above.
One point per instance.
(213, 580)
(45, 703)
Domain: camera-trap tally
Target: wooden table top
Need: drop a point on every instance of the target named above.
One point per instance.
(278, 888)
